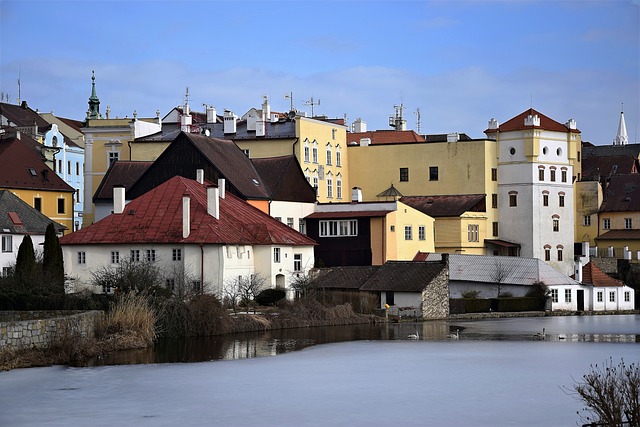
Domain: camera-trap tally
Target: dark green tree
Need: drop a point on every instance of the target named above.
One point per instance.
(53, 263)
(26, 267)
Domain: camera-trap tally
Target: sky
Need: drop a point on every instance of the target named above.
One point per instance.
(459, 63)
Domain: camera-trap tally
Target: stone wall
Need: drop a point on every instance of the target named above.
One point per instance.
(435, 298)
(42, 328)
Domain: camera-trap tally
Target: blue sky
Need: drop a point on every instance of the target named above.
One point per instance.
(459, 62)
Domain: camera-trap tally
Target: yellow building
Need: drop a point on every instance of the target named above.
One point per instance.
(588, 198)
(24, 173)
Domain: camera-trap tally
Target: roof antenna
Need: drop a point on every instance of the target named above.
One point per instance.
(19, 73)
(417, 113)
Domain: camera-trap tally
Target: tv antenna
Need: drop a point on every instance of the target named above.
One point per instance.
(312, 103)
(417, 113)
(289, 96)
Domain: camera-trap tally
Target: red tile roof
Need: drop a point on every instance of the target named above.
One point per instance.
(517, 123)
(21, 167)
(592, 275)
(156, 217)
(379, 137)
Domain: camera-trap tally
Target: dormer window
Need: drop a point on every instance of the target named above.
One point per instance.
(33, 172)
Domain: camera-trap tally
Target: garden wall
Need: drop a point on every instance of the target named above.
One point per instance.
(40, 329)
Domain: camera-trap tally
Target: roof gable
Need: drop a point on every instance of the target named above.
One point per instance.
(156, 217)
(592, 275)
(284, 180)
(22, 116)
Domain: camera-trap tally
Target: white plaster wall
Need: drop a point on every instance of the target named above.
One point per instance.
(294, 210)
(265, 266)
(618, 304)
(8, 259)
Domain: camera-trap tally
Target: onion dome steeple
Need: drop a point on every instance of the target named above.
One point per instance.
(94, 103)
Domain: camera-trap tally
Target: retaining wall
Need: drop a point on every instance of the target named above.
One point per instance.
(42, 328)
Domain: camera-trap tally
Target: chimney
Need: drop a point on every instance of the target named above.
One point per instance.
(186, 215)
(211, 114)
(493, 123)
(453, 137)
(445, 259)
(261, 127)
(578, 272)
(229, 122)
(222, 183)
(200, 176)
(213, 202)
(364, 142)
(266, 109)
(356, 195)
(118, 199)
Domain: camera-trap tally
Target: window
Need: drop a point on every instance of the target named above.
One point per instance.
(314, 154)
(494, 226)
(69, 167)
(329, 188)
(329, 155)
(567, 295)
(612, 296)
(7, 243)
(599, 296)
(78, 168)
(628, 223)
(553, 175)
(472, 232)
(176, 254)
(563, 175)
(556, 224)
(559, 254)
(135, 255)
(513, 199)
(545, 200)
(114, 156)
(606, 224)
(433, 173)
(561, 200)
(151, 255)
(494, 201)
(301, 226)
(82, 257)
(306, 154)
(494, 174)
(408, 232)
(170, 284)
(37, 204)
(339, 188)
(547, 254)
(338, 159)
(290, 222)
(297, 262)
(554, 295)
(422, 232)
(315, 182)
(540, 174)
(339, 228)
(247, 152)
(6, 271)
(404, 174)
(586, 220)
(195, 286)
(115, 257)
(276, 254)
(278, 218)
(59, 166)
(627, 296)
(60, 206)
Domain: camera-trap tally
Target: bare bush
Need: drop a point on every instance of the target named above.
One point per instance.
(130, 319)
(611, 394)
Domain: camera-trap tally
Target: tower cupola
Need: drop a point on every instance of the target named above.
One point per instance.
(94, 103)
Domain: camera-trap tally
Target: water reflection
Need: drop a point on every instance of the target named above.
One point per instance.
(619, 329)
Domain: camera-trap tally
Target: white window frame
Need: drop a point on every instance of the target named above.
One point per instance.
(176, 254)
(115, 257)
(150, 255)
(408, 232)
(599, 296)
(422, 232)
(338, 157)
(329, 155)
(338, 188)
(297, 262)
(290, 221)
(586, 220)
(567, 295)
(134, 255)
(554, 295)
(627, 296)
(612, 296)
(329, 187)
(606, 223)
(339, 228)
(276, 255)
(473, 233)
(7, 243)
(628, 223)
(82, 257)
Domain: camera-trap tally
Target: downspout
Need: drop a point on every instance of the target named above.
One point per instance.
(384, 240)
(293, 147)
(129, 144)
(201, 268)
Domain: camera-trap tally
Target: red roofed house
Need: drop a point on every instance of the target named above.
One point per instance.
(608, 294)
(188, 227)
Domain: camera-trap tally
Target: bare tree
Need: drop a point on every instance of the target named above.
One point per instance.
(611, 394)
(501, 273)
(244, 290)
(303, 284)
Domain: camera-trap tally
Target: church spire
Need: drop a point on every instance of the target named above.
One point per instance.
(621, 137)
(94, 103)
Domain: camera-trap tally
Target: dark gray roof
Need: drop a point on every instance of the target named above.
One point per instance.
(611, 150)
(403, 276)
(17, 217)
(351, 277)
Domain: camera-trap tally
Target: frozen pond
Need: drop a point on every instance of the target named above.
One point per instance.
(511, 379)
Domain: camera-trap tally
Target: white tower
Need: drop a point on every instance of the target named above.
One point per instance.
(621, 137)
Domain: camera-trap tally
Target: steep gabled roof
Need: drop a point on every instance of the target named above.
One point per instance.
(284, 180)
(590, 150)
(622, 194)
(446, 206)
(518, 123)
(122, 172)
(381, 137)
(22, 168)
(592, 275)
(350, 277)
(512, 270)
(156, 217)
(619, 235)
(17, 217)
(23, 116)
(415, 276)
(594, 167)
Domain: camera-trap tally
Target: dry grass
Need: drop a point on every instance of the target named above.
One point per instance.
(131, 320)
